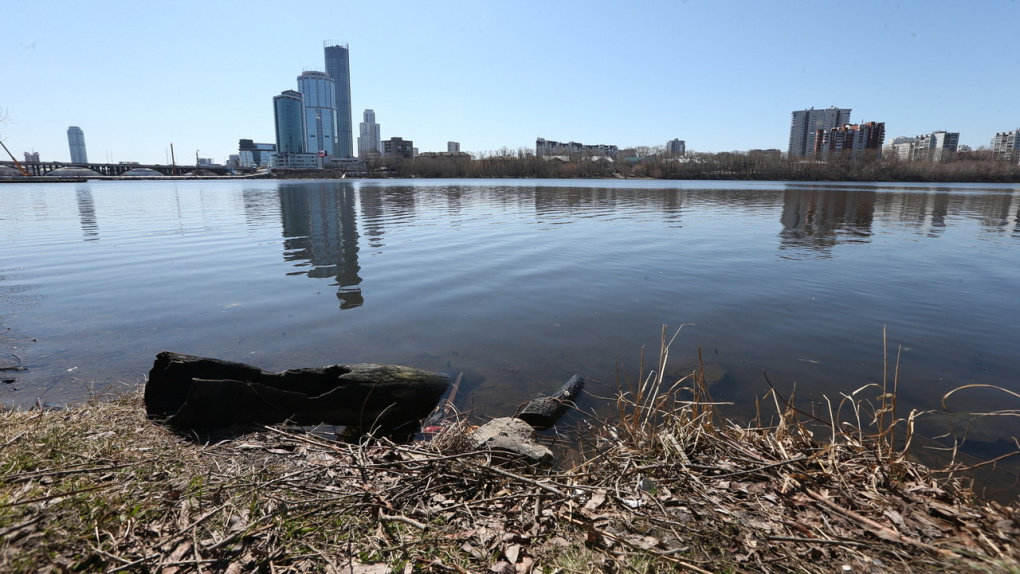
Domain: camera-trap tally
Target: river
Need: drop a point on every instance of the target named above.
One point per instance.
(521, 283)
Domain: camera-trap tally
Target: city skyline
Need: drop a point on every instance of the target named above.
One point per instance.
(722, 76)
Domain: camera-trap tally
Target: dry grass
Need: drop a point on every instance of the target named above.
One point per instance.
(670, 486)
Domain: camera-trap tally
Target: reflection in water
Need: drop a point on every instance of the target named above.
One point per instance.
(815, 220)
(320, 229)
(87, 213)
(569, 201)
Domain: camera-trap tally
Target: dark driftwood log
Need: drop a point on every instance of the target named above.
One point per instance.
(543, 412)
(195, 392)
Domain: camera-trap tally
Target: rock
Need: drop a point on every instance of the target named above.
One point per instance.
(512, 435)
(185, 391)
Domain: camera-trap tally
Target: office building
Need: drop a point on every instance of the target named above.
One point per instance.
(453, 147)
(318, 95)
(32, 157)
(255, 155)
(338, 66)
(398, 147)
(676, 147)
(852, 139)
(288, 115)
(1006, 146)
(76, 141)
(806, 124)
(544, 147)
(370, 140)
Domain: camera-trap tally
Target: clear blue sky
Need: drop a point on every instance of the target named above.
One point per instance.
(721, 74)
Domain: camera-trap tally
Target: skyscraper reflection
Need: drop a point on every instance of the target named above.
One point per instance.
(320, 232)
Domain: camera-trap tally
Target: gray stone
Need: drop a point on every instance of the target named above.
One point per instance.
(512, 435)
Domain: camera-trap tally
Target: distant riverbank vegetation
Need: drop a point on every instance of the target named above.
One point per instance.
(978, 166)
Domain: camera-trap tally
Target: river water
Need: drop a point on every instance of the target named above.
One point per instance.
(521, 283)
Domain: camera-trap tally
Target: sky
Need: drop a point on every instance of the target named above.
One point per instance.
(722, 75)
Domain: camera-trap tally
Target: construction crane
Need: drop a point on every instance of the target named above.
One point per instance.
(15, 160)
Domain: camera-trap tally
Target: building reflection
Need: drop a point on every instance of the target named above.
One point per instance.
(320, 232)
(87, 213)
(817, 219)
(557, 202)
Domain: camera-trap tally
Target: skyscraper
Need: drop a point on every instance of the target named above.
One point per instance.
(807, 122)
(338, 66)
(370, 140)
(76, 141)
(290, 127)
(317, 93)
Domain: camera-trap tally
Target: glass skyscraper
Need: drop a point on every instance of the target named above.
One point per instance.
(318, 93)
(338, 66)
(290, 125)
(76, 141)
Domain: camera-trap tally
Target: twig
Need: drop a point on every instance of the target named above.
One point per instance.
(879, 530)
(541, 485)
(403, 519)
(815, 540)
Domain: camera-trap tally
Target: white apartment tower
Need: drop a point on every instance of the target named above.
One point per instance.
(76, 142)
(1006, 146)
(370, 140)
(806, 124)
(936, 146)
(452, 147)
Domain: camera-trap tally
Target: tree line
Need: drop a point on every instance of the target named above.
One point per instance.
(650, 163)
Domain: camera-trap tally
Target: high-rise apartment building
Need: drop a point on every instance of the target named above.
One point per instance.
(676, 147)
(370, 140)
(288, 113)
(854, 139)
(338, 66)
(805, 126)
(318, 96)
(452, 147)
(936, 146)
(1006, 146)
(32, 157)
(76, 141)
(544, 147)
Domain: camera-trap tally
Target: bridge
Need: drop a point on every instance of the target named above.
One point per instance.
(115, 169)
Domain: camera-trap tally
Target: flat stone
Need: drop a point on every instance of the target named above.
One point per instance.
(508, 434)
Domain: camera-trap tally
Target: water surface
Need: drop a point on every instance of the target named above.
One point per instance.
(518, 284)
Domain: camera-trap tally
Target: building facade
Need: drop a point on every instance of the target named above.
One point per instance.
(544, 147)
(32, 157)
(398, 147)
(288, 116)
(1006, 146)
(805, 125)
(318, 95)
(852, 139)
(338, 66)
(453, 147)
(370, 140)
(676, 147)
(76, 143)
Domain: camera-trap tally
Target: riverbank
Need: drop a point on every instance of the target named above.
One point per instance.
(664, 485)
